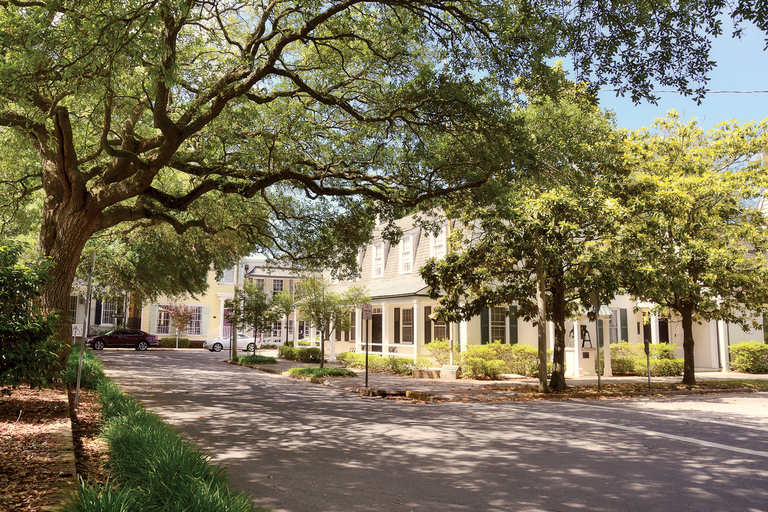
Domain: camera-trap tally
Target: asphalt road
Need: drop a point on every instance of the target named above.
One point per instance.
(301, 447)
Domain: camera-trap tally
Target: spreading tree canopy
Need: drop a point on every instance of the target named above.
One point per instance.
(544, 237)
(696, 243)
(176, 127)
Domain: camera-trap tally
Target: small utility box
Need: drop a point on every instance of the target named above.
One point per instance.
(588, 359)
(449, 372)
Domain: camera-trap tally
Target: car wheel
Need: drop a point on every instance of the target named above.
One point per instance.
(98, 345)
(217, 347)
(142, 345)
(251, 347)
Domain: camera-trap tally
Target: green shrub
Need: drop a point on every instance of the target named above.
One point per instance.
(522, 360)
(323, 372)
(93, 369)
(288, 344)
(660, 367)
(288, 352)
(303, 343)
(400, 366)
(441, 351)
(479, 368)
(750, 357)
(309, 355)
(660, 350)
(257, 359)
(171, 342)
(424, 362)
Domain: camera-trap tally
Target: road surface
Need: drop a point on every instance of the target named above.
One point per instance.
(301, 447)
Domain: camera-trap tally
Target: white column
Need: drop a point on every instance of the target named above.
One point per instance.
(607, 348)
(384, 329)
(417, 328)
(463, 334)
(550, 335)
(722, 334)
(358, 329)
(577, 349)
(655, 329)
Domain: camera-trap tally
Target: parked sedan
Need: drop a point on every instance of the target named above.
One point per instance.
(243, 343)
(130, 338)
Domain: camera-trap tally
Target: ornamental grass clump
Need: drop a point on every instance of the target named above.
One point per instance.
(156, 468)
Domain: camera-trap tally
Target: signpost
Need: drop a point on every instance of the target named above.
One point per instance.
(367, 315)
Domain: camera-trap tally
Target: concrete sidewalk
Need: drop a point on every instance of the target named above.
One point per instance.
(380, 384)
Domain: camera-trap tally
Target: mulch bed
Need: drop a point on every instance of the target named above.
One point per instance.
(27, 446)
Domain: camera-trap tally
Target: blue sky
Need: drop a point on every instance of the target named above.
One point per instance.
(742, 65)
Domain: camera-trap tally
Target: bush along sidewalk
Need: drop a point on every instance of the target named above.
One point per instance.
(151, 466)
(750, 357)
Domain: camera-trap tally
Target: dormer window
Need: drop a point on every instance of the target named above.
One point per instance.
(438, 243)
(406, 255)
(378, 260)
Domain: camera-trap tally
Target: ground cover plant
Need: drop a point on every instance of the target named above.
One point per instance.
(257, 359)
(323, 372)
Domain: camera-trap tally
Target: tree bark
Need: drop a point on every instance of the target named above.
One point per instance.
(689, 376)
(557, 381)
(63, 236)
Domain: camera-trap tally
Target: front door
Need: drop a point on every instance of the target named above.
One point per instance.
(376, 332)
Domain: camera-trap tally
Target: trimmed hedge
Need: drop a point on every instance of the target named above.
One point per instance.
(518, 359)
(750, 357)
(171, 342)
(257, 359)
(629, 359)
(380, 364)
(479, 368)
(323, 372)
(304, 355)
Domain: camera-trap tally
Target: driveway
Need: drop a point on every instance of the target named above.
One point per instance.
(301, 447)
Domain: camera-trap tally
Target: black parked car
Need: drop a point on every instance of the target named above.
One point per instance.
(139, 340)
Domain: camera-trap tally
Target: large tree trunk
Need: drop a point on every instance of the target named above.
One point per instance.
(689, 377)
(557, 381)
(62, 238)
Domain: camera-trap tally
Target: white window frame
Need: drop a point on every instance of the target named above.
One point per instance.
(406, 326)
(108, 311)
(438, 244)
(378, 261)
(73, 301)
(406, 254)
(439, 325)
(497, 325)
(228, 277)
(163, 322)
(275, 288)
(194, 328)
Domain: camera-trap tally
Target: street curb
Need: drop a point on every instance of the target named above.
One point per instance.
(64, 461)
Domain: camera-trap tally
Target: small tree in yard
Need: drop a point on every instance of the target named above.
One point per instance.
(181, 315)
(283, 304)
(252, 308)
(328, 310)
(28, 346)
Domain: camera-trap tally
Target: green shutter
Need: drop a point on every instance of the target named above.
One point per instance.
(205, 321)
(485, 326)
(765, 327)
(152, 319)
(427, 325)
(624, 325)
(397, 325)
(512, 325)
